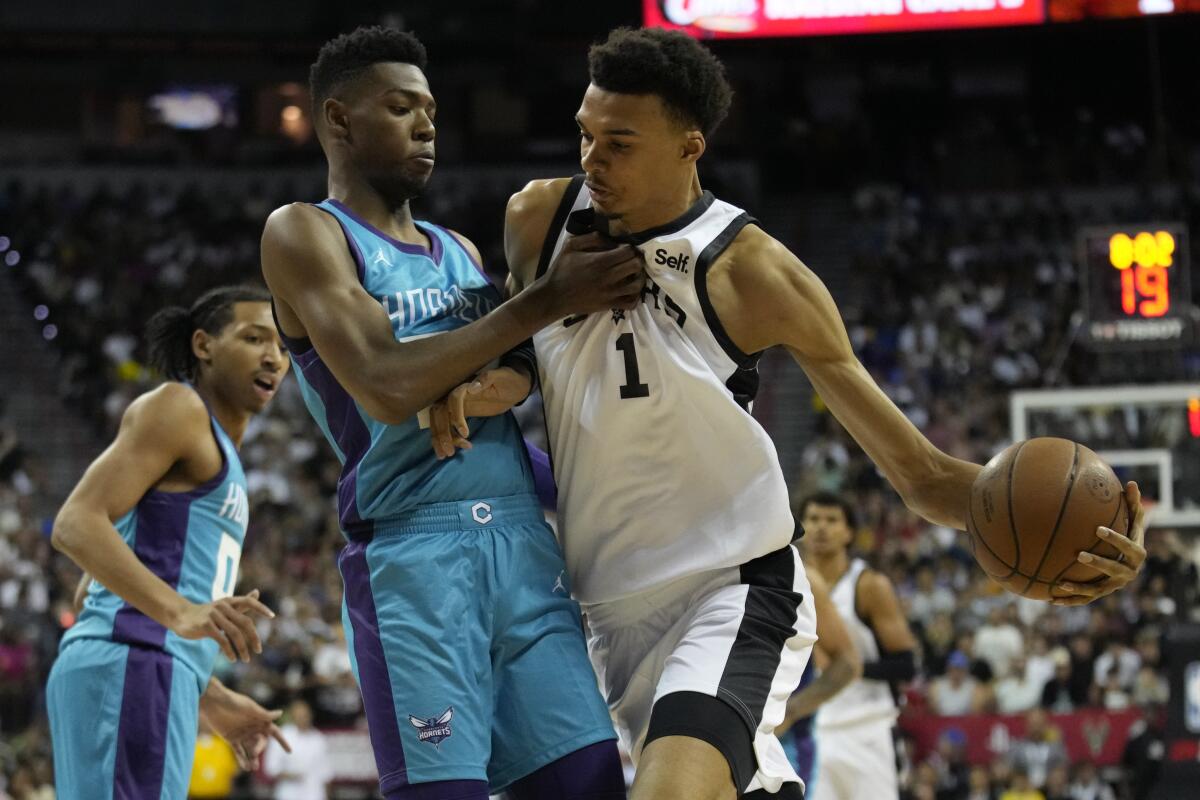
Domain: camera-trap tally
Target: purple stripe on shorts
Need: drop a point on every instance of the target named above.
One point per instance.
(350, 433)
(142, 733)
(162, 523)
(442, 790)
(374, 681)
(543, 477)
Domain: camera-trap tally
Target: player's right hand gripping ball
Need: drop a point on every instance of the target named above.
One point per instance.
(1035, 507)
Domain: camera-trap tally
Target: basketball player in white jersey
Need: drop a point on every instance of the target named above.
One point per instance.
(855, 752)
(672, 507)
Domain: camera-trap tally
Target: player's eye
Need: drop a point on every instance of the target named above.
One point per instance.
(618, 146)
(399, 111)
(585, 136)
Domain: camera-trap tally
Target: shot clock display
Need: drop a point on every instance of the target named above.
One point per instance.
(1136, 284)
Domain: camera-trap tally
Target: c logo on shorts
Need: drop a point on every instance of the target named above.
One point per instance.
(481, 513)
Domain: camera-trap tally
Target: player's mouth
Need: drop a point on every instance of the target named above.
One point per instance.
(425, 158)
(597, 191)
(265, 386)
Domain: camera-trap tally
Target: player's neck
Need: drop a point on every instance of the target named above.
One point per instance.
(658, 213)
(831, 566)
(370, 206)
(233, 420)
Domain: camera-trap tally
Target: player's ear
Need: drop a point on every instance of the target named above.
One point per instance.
(336, 118)
(693, 146)
(202, 346)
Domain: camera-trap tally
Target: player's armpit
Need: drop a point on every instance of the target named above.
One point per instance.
(765, 296)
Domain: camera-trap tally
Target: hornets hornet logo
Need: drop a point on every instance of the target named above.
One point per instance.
(434, 731)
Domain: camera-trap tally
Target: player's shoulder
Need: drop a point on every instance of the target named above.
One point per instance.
(171, 412)
(756, 260)
(540, 196)
(299, 225)
(531, 210)
(527, 220)
(874, 588)
(467, 245)
(301, 240)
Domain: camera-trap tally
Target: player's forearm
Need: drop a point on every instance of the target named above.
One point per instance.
(837, 675)
(943, 494)
(89, 539)
(425, 370)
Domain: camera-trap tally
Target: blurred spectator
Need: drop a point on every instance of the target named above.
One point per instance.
(957, 692)
(1144, 753)
(1039, 750)
(1058, 784)
(213, 770)
(999, 641)
(1021, 788)
(1167, 562)
(305, 773)
(979, 785)
(1019, 691)
(1088, 786)
(1058, 695)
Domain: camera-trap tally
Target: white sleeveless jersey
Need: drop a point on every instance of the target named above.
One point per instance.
(863, 700)
(661, 470)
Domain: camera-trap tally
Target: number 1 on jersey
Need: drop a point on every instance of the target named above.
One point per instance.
(633, 385)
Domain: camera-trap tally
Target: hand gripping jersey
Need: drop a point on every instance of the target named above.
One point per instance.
(662, 471)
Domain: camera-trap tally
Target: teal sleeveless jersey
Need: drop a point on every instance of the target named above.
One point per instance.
(388, 470)
(193, 541)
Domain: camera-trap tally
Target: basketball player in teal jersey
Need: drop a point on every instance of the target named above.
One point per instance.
(465, 642)
(671, 497)
(157, 522)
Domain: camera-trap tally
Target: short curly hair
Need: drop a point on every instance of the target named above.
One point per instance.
(349, 55)
(682, 72)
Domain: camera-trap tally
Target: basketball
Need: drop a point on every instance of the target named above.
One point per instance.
(1035, 507)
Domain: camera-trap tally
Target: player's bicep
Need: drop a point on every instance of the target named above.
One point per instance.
(155, 433)
(886, 616)
(308, 267)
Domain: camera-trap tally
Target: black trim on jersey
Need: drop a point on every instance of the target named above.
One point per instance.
(679, 223)
(296, 344)
(556, 224)
(768, 621)
(743, 384)
(703, 262)
(789, 791)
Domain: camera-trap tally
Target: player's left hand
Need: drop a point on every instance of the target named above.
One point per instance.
(492, 392)
(243, 723)
(1120, 572)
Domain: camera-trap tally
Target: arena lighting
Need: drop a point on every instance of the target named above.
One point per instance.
(4, 243)
(49, 332)
(290, 113)
(1194, 417)
(12, 258)
(40, 313)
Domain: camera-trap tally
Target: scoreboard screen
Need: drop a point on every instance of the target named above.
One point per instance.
(1136, 285)
(723, 19)
(709, 19)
